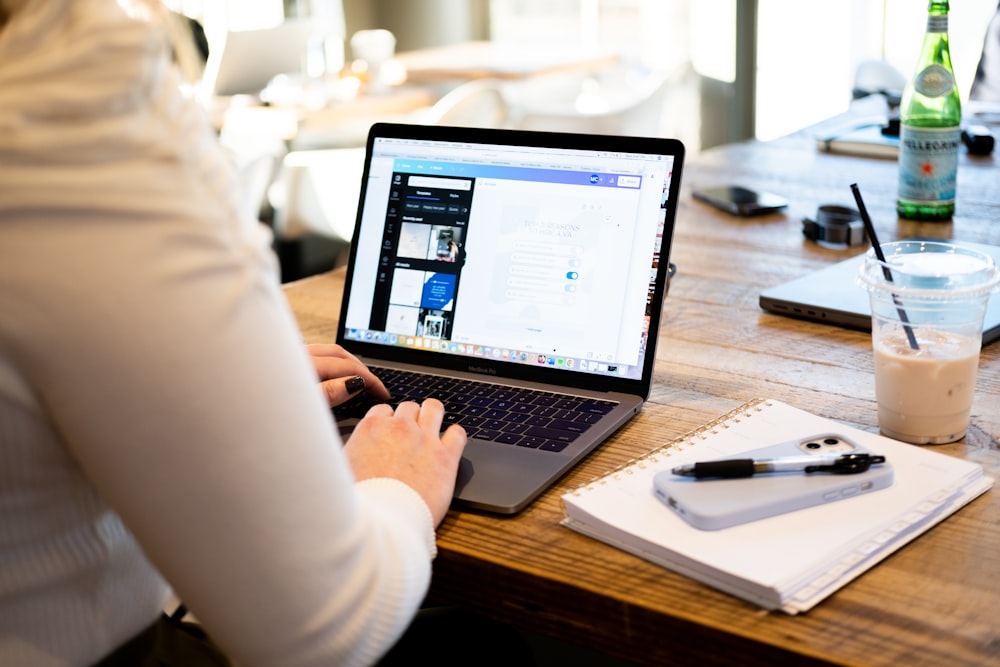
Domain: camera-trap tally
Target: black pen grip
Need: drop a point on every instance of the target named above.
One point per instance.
(730, 468)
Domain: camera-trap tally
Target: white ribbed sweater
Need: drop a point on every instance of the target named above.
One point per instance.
(153, 383)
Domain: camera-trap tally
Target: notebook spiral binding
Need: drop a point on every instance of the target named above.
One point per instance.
(734, 416)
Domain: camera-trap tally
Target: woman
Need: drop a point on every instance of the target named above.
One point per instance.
(159, 418)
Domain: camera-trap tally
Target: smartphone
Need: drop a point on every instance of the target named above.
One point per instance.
(712, 504)
(738, 200)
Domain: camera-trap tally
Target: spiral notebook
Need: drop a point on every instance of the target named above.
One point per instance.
(792, 561)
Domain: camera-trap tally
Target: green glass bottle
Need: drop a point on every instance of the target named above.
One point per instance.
(930, 132)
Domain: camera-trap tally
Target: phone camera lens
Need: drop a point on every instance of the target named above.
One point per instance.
(831, 441)
(812, 445)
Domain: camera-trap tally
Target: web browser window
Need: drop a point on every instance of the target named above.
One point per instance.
(527, 255)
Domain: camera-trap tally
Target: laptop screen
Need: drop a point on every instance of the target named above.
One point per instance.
(515, 254)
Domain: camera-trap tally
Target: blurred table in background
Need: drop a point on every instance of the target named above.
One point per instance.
(499, 60)
(342, 117)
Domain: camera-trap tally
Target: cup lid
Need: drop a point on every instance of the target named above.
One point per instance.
(930, 270)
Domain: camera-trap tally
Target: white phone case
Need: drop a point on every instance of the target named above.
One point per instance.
(711, 504)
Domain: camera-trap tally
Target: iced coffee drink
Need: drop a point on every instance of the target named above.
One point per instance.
(928, 300)
(925, 395)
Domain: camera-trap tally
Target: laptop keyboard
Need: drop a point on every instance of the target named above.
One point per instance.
(487, 411)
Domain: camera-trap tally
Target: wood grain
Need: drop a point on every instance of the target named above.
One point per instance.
(935, 602)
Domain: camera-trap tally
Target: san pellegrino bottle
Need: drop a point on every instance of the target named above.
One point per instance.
(930, 132)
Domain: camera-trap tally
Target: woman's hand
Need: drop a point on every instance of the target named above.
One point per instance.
(408, 445)
(342, 375)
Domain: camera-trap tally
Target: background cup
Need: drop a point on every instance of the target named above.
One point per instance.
(937, 292)
(372, 49)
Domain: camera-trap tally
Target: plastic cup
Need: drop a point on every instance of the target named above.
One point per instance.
(928, 300)
(375, 48)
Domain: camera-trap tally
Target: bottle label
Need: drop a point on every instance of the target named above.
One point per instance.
(937, 23)
(928, 163)
(934, 81)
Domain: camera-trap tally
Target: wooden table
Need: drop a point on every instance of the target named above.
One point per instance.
(935, 602)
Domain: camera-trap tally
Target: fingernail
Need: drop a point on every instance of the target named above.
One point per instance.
(355, 384)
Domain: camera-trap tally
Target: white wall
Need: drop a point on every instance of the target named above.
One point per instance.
(808, 52)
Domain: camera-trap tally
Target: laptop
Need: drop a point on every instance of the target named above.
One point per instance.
(833, 296)
(248, 59)
(520, 277)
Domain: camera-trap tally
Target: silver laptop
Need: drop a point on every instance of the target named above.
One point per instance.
(248, 59)
(833, 296)
(519, 277)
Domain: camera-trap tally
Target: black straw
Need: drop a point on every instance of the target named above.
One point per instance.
(870, 228)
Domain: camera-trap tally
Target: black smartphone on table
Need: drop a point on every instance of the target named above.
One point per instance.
(738, 200)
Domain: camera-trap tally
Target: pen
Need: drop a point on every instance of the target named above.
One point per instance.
(730, 468)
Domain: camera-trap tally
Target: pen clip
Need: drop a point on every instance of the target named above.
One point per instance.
(848, 464)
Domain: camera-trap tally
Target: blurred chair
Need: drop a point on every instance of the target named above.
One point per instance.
(317, 194)
(255, 176)
(616, 102)
(315, 203)
(478, 103)
(257, 157)
(877, 77)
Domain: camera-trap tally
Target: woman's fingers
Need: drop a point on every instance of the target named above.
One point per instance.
(335, 367)
(339, 390)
